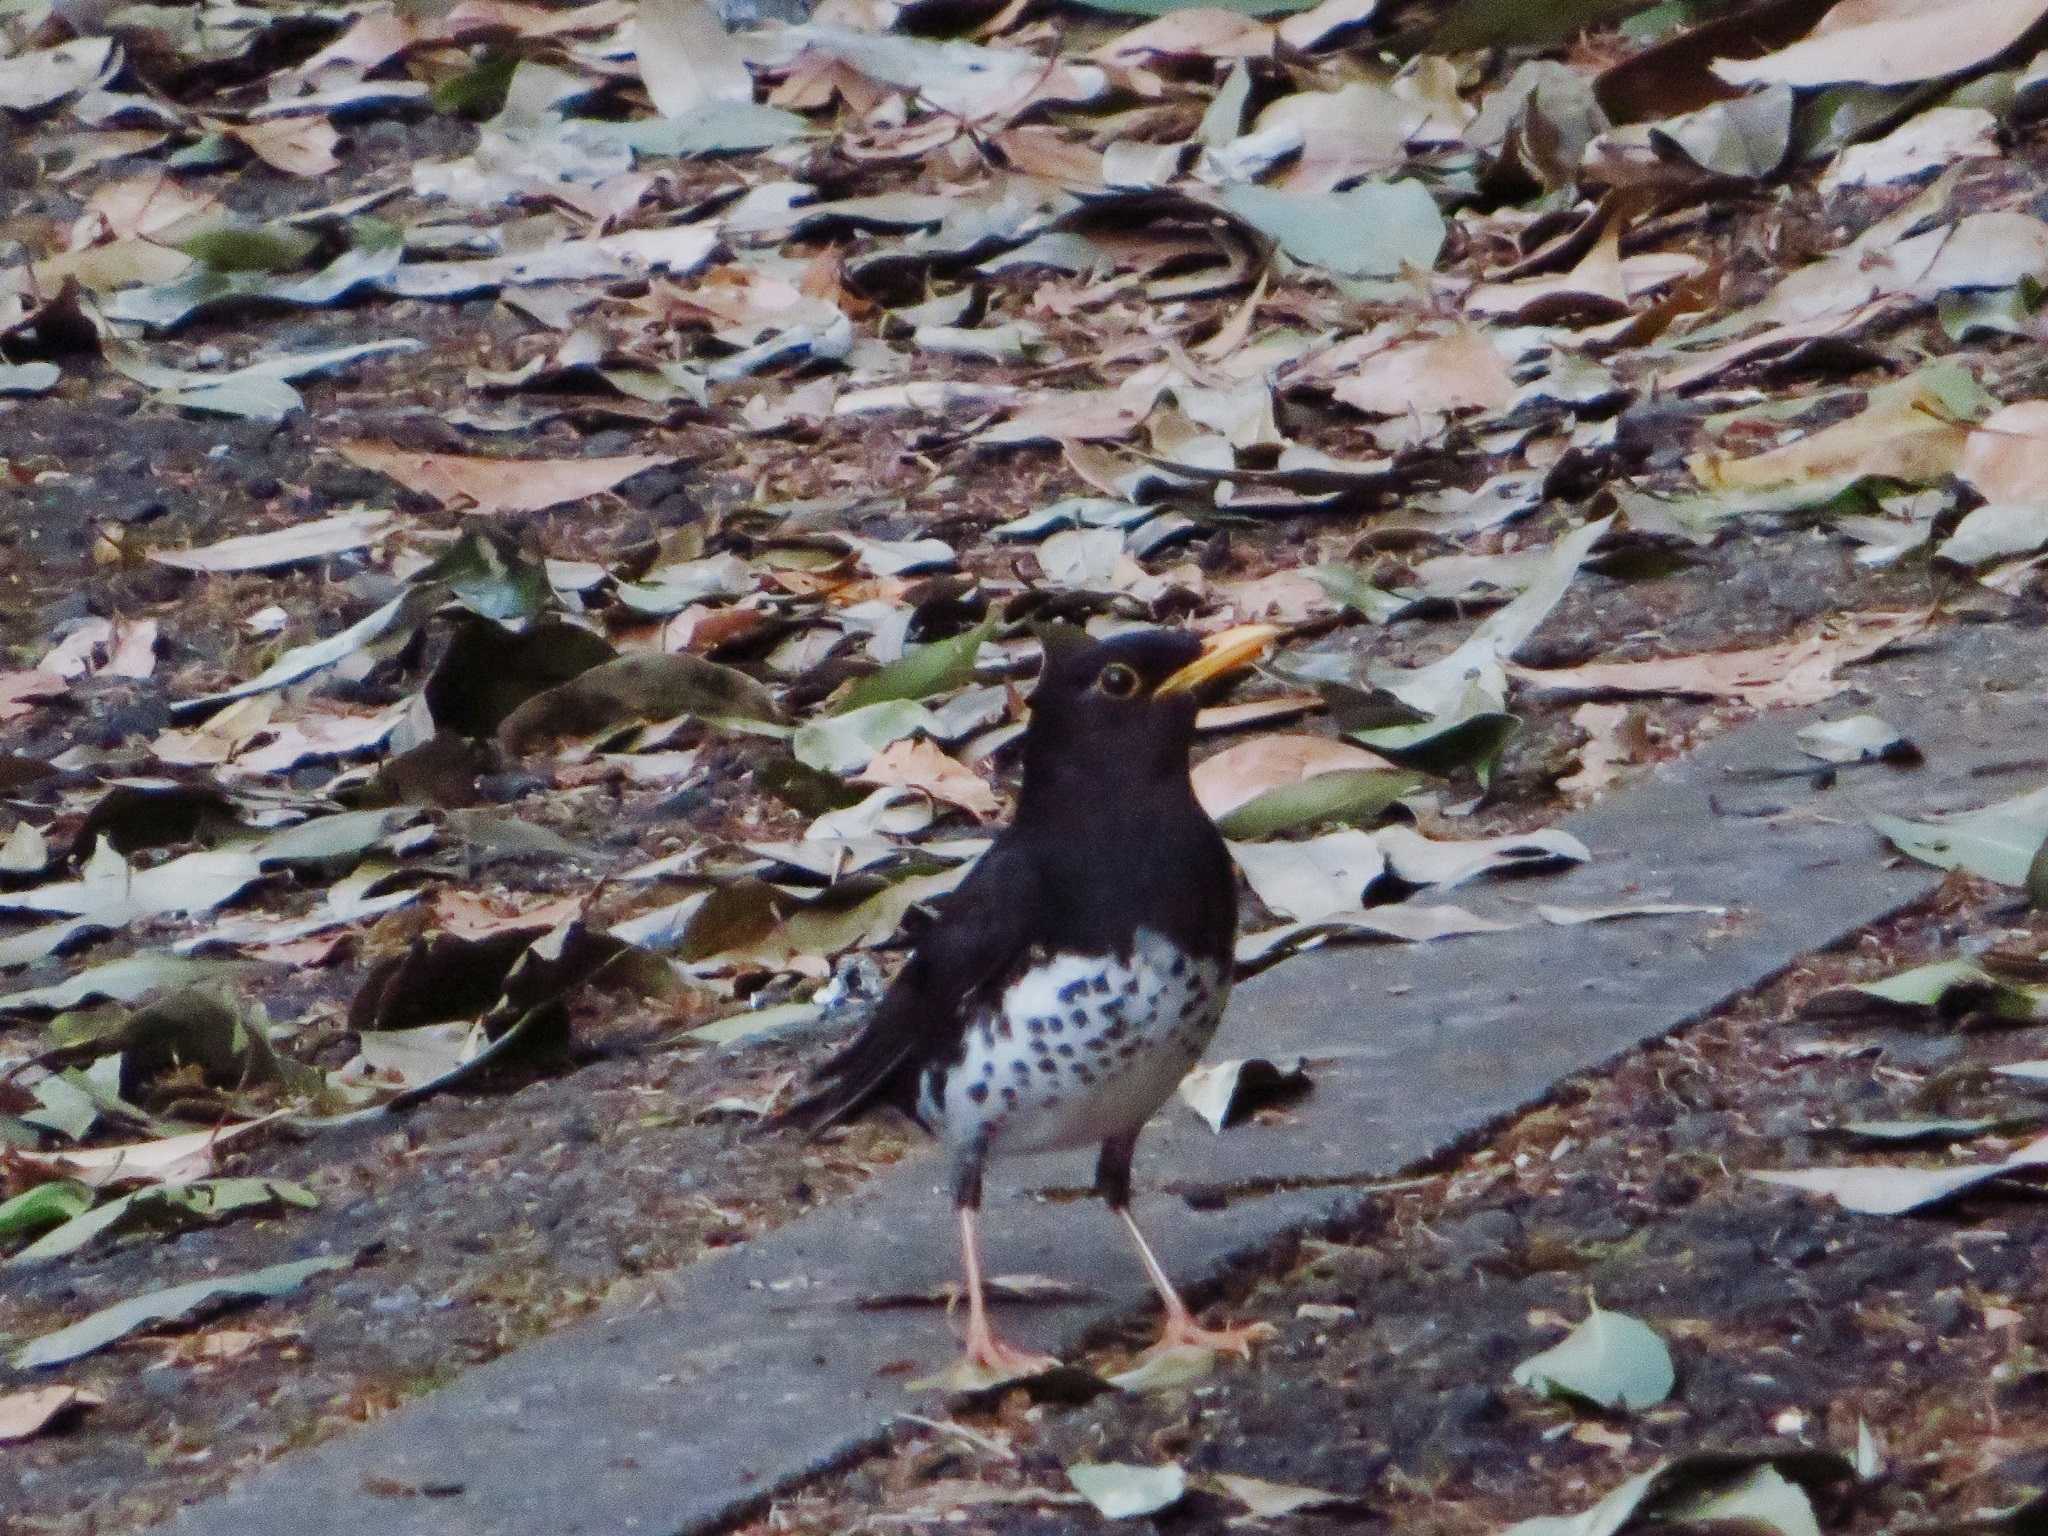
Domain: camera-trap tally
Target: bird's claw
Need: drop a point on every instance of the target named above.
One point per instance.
(1183, 1332)
(989, 1363)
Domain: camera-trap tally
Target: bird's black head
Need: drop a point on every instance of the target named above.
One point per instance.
(1122, 710)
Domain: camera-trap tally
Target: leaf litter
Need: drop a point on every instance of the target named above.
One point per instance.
(749, 431)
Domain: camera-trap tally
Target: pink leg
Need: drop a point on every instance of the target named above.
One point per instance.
(988, 1359)
(1182, 1331)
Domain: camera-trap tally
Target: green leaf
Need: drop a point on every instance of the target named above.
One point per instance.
(1373, 230)
(1348, 795)
(168, 1205)
(1442, 746)
(637, 689)
(846, 742)
(936, 668)
(47, 1205)
(488, 573)
(1997, 842)
(1964, 312)
(110, 1324)
(1764, 1500)
(1611, 1360)
(479, 91)
(251, 248)
(1948, 989)
(1348, 585)
(1719, 1481)
(736, 1027)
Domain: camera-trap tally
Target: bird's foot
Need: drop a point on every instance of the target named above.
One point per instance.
(989, 1362)
(1183, 1332)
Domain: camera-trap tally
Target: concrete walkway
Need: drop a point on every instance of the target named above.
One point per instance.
(761, 1369)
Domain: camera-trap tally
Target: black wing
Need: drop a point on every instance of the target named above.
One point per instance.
(979, 935)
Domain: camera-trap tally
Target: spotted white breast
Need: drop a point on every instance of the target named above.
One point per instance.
(1079, 1048)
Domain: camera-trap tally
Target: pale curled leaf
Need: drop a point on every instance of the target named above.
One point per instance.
(1225, 1092)
(1611, 1359)
(110, 1324)
(29, 1412)
(1122, 1491)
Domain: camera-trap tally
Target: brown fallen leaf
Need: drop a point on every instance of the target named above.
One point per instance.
(1614, 739)
(167, 1160)
(1766, 677)
(473, 484)
(146, 206)
(1199, 32)
(1240, 774)
(1703, 367)
(1892, 42)
(917, 763)
(2006, 455)
(1457, 372)
(298, 146)
(307, 954)
(471, 915)
(115, 647)
(1905, 433)
(29, 1413)
(20, 692)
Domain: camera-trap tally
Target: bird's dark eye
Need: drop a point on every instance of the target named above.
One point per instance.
(1118, 681)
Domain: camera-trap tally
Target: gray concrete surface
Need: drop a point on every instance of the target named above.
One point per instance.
(761, 1369)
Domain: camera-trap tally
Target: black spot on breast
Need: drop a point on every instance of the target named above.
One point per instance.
(1117, 1030)
(1048, 1065)
(1003, 1029)
(1009, 1095)
(1085, 1074)
(1127, 1050)
(1130, 986)
(1020, 1069)
(1100, 986)
(1080, 1018)
(1073, 990)
(1178, 965)
(1063, 1050)
(978, 1093)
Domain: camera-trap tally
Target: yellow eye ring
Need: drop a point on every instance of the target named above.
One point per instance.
(1118, 681)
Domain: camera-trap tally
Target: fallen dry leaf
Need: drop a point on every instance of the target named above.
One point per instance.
(1614, 739)
(1767, 677)
(471, 484)
(1892, 42)
(919, 763)
(2005, 457)
(28, 1413)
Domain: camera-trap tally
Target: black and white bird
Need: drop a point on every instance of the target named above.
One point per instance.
(1078, 972)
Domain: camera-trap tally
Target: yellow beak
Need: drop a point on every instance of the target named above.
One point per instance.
(1228, 651)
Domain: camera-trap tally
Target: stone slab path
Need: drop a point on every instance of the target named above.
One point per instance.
(760, 1368)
